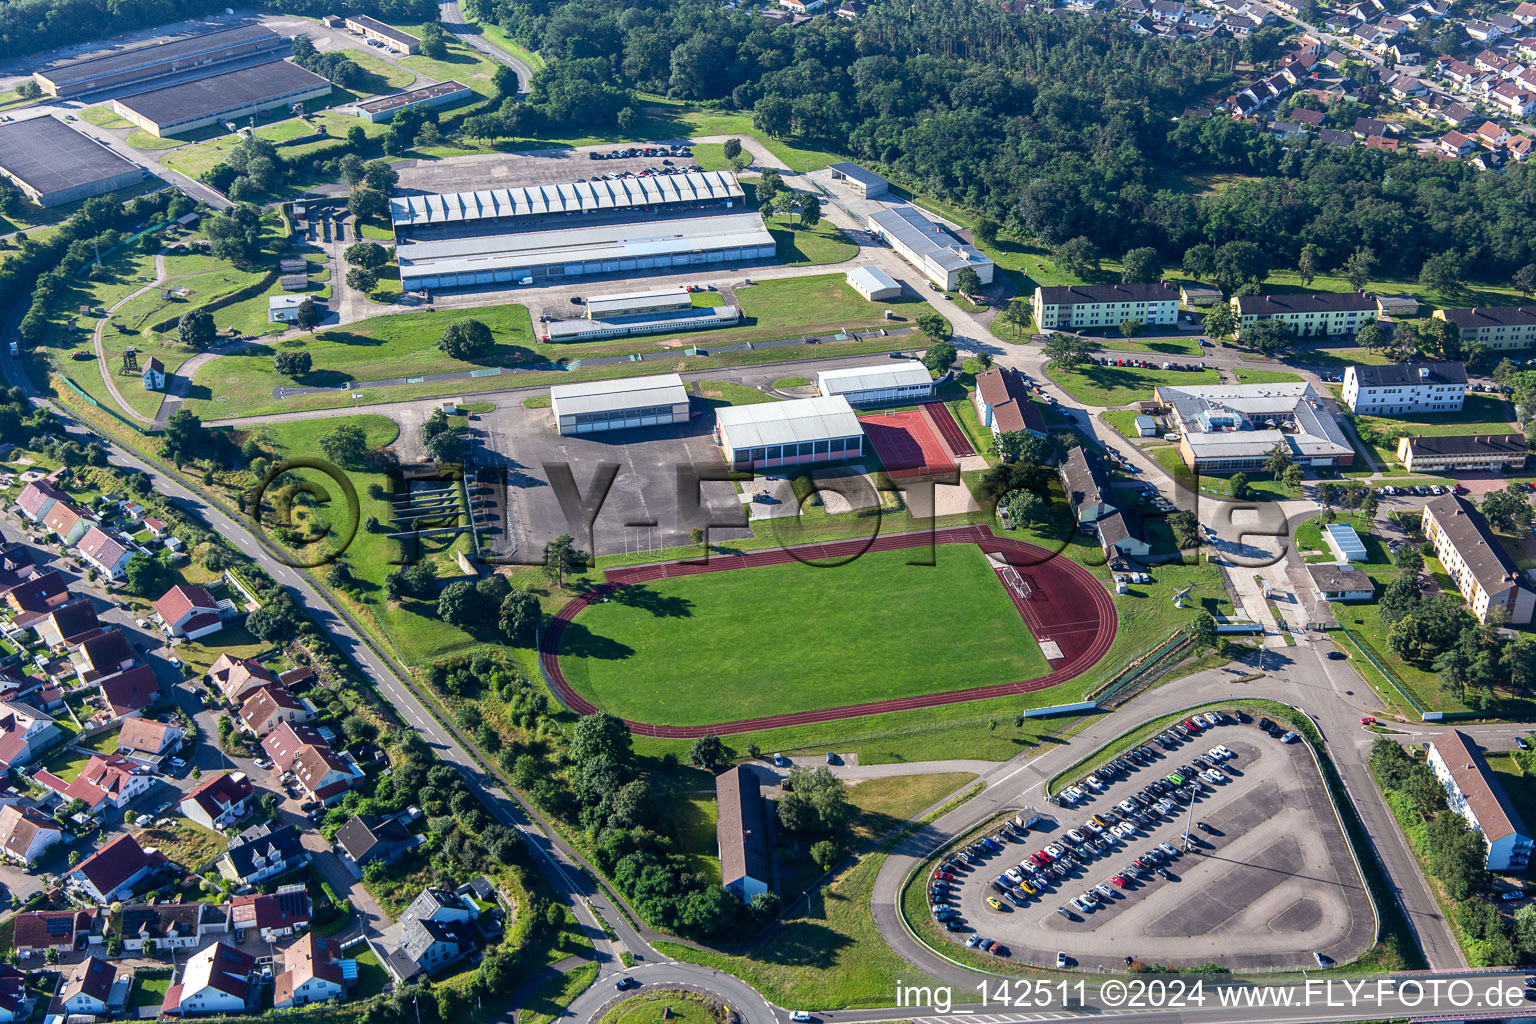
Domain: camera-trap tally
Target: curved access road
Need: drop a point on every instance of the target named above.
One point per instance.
(453, 19)
(1068, 605)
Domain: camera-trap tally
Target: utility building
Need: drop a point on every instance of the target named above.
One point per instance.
(903, 382)
(929, 246)
(383, 108)
(865, 182)
(159, 59)
(620, 404)
(796, 433)
(227, 97)
(874, 284)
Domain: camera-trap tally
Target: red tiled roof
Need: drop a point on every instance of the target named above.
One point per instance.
(39, 929)
(130, 691)
(271, 910)
(101, 547)
(110, 867)
(217, 793)
(182, 599)
(144, 735)
(284, 743)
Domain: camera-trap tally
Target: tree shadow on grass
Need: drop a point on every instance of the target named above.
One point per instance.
(659, 605)
(352, 338)
(577, 641)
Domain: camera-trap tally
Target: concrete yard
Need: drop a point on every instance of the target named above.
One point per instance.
(645, 485)
(1272, 884)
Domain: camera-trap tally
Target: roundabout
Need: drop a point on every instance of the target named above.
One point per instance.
(1012, 617)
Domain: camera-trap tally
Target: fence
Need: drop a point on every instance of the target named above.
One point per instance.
(1389, 676)
(1127, 677)
(104, 408)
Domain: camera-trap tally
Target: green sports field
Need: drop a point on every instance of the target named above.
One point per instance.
(747, 643)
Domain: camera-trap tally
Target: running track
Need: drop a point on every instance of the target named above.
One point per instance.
(1068, 604)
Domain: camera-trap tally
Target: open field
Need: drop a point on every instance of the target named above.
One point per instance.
(463, 64)
(197, 159)
(1267, 377)
(405, 344)
(1092, 384)
(660, 652)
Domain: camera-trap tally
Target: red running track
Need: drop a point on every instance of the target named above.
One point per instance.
(944, 422)
(1067, 604)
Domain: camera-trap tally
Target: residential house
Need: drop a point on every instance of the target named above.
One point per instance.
(1340, 583)
(1301, 115)
(111, 872)
(1491, 135)
(311, 973)
(1003, 404)
(93, 987)
(105, 654)
(154, 375)
(323, 774)
(166, 926)
(262, 852)
(1369, 127)
(1525, 14)
(237, 678)
(104, 552)
(1086, 488)
(1473, 791)
(1404, 389)
(283, 743)
(1513, 98)
(148, 742)
(26, 834)
(1453, 143)
(129, 693)
(370, 837)
(188, 611)
(741, 833)
(273, 915)
(37, 595)
(68, 521)
(113, 780)
(13, 994)
(24, 732)
(1167, 10)
(220, 800)
(1454, 114)
(1481, 31)
(37, 498)
(1476, 560)
(1333, 137)
(37, 931)
(1382, 143)
(271, 706)
(68, 625)
(218, 979)
(1120, 535)
(156, 528)
(437, 929)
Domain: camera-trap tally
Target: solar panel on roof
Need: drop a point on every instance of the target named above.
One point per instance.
(60, 925)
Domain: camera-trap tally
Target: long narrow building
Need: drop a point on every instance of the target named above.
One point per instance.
(133, 67)
(1475, 558)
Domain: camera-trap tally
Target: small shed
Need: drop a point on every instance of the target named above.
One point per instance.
(866, 182)
(874, 284)
(1146, 426)
(294, 282)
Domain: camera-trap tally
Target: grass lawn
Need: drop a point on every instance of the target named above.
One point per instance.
(198, 158)
(149, 988)
(389, 346)
(1267, 377)
(104, 116)
(1516, 783)
(1365, 621)
(680, 1007)
(1123, 420)
(102, 743)
(792, 382)
(67, 763)
(382, 75)
(1309, 537)
(710, 156)
(659, 652)
(831, 957)
(1092, 384)
(371, 975)
(723, 392)
(496, 35)
(463, 64)
(1481, 414)
(188, 844)
(802, 247)
(150, 142)
(885, 804)
(550, 1001)
(1187, 347)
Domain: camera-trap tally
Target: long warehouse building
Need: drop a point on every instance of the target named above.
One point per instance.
(903, 382)
(156, 60)
(53, 164)
(796, 433)
(565, 252)
(930, 247)
(656, 193)
(227, 97)
(625, 403)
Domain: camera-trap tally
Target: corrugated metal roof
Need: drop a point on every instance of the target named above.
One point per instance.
(873, 279)
(573, 197)
(804, 419)
(930, 240)
(601, 305)
(611, 241)
(868, 378)
(613, 395)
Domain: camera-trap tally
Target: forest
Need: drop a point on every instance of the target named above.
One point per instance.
(1054, 125)
(32, 26)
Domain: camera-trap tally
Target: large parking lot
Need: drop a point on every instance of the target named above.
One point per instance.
(1268, 882)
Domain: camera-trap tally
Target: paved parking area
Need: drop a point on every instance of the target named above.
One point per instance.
(646, 486)
(529, 167)
(1272, 883)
